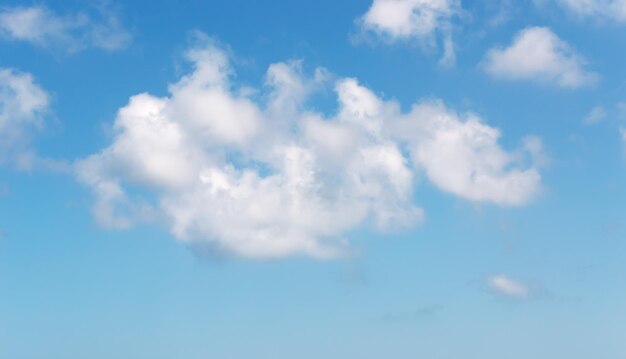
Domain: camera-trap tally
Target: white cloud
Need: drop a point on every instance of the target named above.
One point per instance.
(40, 26)
(597, 114)
(539, 55)
(273, 177)
(461, 155)
(414, 19)
(614, 10)
(502, 284)
(23, 106)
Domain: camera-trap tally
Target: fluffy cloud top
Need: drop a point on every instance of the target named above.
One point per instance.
(263, 175)
(40, 26)
(23, 105)
(600, 9)
(418, 19)
(537, 54)
(504, 285)
(409, 18)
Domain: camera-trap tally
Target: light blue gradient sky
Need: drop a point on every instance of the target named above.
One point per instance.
(70, 289)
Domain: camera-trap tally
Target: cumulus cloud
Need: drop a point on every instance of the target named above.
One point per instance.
(461, 155)
(507, 286)
(41, 26)
(261, 174)
(23, 106)
(414, 19)
(539, 55)
(614, 10)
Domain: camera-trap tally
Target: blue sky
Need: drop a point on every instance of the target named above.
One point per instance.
(282, 179)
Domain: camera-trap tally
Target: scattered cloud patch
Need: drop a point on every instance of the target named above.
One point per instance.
(613, 10)
(267, 175)
(507, 286)
(423, 20)
(597, 115)
(41, 26)
(449, 53)
(502, 11)
(23, 108)
(537, 54)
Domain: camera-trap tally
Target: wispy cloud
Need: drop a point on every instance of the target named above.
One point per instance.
(602, 10)
(23, 108)
(622, 131)
(597, 115)
(41, 26)
(507, 286)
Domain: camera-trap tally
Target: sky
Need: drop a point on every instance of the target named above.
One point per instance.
(313, 179)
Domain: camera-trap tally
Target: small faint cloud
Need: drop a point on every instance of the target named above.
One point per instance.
(449, 53)
(504, 285)
(24, 111)
(503, 12)
(41, 26)
(601, 11)
(597, 115)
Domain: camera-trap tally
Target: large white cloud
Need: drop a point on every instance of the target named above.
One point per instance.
(414, 19)
(614, 10)
(23, 107)
(539, 55)
(263, 175)
(40, 26)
